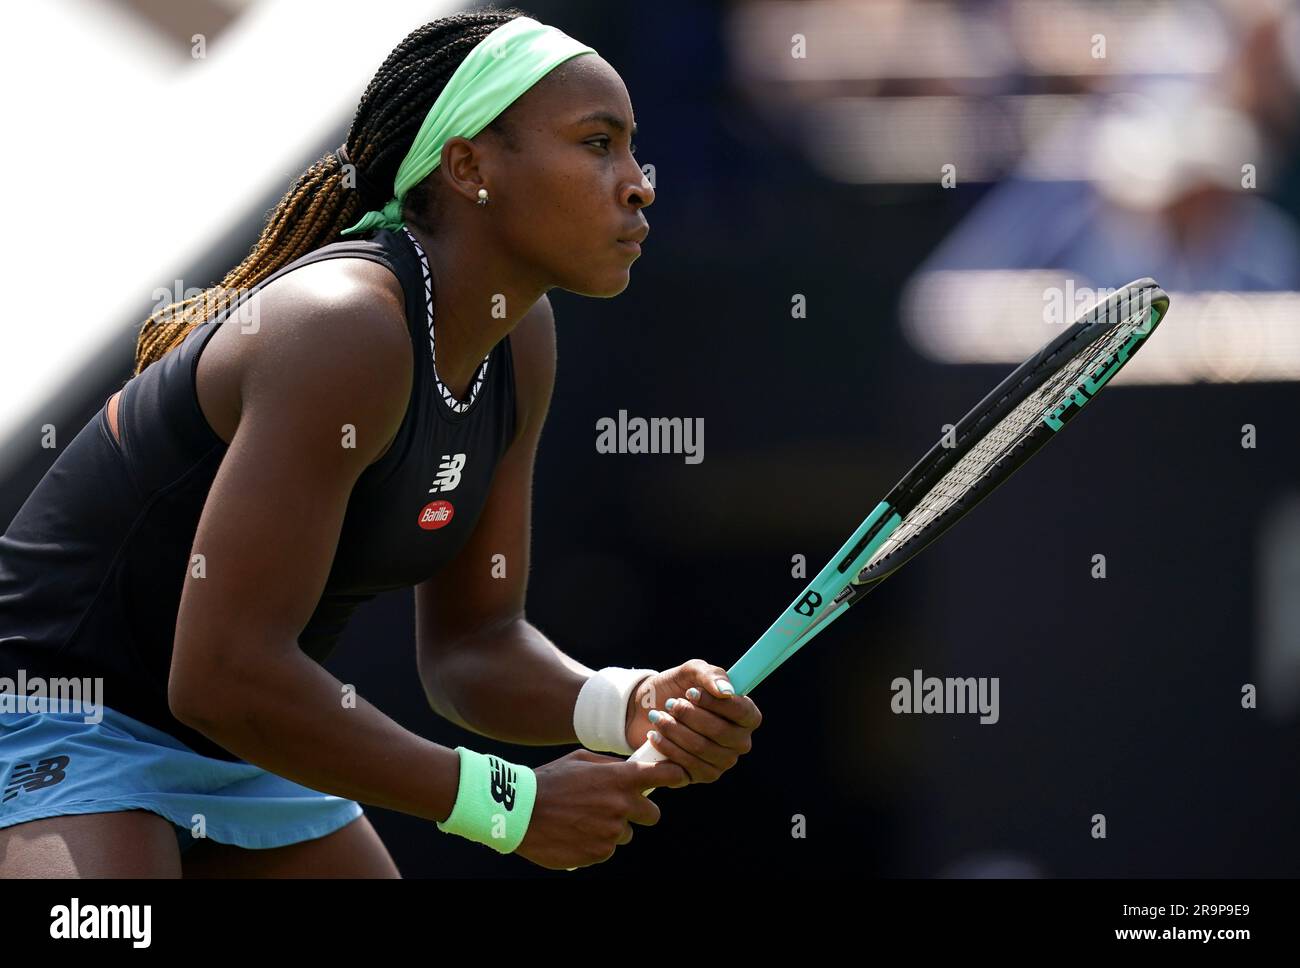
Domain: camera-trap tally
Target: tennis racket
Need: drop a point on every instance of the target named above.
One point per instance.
(1005, 429)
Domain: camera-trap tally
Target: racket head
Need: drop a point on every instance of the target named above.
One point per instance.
(1017, 418)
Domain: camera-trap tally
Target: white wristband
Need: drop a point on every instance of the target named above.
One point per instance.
(600, 714)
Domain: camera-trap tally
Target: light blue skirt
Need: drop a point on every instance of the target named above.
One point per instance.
(54, 764)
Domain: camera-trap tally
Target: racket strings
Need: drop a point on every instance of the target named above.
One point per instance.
(1001, 441)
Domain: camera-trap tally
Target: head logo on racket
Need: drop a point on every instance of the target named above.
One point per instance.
(1106, 368)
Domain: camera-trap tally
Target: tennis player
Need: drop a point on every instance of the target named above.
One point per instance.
(294, 442)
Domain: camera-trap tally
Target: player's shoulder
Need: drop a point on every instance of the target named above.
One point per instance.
(331, 315)
(330, 336)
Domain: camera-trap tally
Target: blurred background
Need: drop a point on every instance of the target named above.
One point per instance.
(926, 175)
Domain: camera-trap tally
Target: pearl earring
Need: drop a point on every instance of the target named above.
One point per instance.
(482, 196)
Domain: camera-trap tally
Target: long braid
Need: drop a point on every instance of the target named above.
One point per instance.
(321, 203)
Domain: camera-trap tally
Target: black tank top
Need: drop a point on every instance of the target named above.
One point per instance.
(92, 565)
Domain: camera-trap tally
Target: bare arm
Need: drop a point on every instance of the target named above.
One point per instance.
(482, 664)
(268, 534)
(511, 684)
(485, 667)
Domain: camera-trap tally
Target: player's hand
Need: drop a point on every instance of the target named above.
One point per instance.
(585, 807)
(701, 726)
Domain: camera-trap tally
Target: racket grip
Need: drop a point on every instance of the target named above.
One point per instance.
(646, 754)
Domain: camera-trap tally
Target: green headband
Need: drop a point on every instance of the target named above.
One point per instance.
(504, 64)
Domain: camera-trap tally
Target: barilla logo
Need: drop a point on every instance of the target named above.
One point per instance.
(436, 514)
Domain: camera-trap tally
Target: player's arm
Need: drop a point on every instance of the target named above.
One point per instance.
(482, 664)
(485, 667)
(320, 373)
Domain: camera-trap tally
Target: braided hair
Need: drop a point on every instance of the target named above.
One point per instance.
(324, 201)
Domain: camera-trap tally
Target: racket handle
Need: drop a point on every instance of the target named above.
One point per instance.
(646, 754)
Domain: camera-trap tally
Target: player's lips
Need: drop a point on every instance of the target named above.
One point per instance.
(633, 239)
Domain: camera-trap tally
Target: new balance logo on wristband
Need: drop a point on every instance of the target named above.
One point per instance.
(503, 782)
(494, 801)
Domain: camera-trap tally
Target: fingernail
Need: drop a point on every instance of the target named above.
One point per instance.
(669, 704)
(652, 736)
(724, 687)
(655, 715)
(692, 694)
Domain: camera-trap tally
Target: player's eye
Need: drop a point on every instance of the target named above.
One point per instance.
(604, 144)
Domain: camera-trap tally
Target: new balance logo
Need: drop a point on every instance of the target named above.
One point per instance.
(448, 473)
(503, 783)
(26, 777)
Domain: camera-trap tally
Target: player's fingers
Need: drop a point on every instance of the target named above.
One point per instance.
(699, 770)
(643, 811)
(738, 709)
(706, 748)
(710, 725)
(711, 678)
(642, 775)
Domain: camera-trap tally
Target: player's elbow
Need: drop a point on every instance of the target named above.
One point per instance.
(187, 704)
(208, 686)
(196, 701)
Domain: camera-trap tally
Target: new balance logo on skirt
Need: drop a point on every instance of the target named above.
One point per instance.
(30, 778)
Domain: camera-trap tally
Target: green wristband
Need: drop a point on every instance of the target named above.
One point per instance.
(494, 801)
